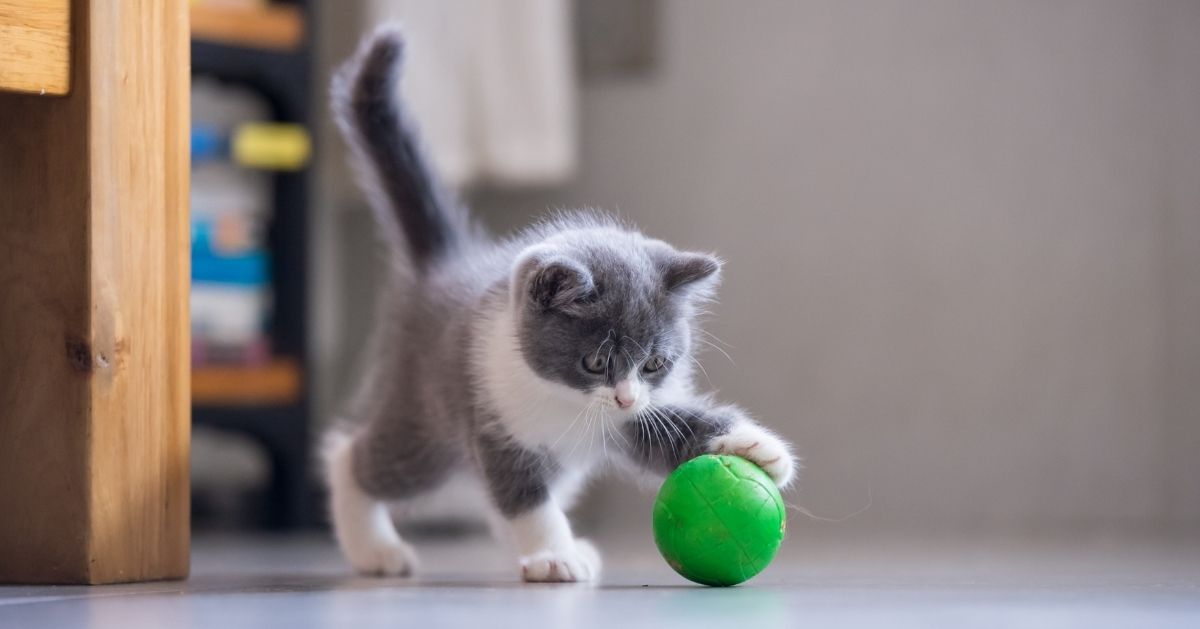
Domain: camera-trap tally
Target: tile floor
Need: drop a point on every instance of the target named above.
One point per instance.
(299, 582)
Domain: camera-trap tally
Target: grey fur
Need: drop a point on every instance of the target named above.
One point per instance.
(413, 206)
(582, 283)
(660, 442)
(617, 302)
(517, 478)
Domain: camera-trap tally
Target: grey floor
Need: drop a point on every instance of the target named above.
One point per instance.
(300, 582)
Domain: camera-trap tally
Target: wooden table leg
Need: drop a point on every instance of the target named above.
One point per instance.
(94, 341)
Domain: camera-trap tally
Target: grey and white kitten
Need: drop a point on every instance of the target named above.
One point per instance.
(523, 364)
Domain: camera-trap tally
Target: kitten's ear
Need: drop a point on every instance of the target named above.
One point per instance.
(560, 284)
(688, 269)
(552, 282)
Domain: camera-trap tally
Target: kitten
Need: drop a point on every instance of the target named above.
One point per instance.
(524, 363)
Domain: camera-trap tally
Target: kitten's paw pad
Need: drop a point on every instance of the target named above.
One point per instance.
(382, 558)
(759, 445)
(577, 565)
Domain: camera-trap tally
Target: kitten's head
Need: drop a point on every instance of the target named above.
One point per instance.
(608, 312)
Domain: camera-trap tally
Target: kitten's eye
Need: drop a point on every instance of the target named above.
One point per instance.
(655, 363)
(594, 363)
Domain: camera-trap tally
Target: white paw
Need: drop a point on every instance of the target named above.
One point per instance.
(751, 441)
(381, 557)
(576, 565)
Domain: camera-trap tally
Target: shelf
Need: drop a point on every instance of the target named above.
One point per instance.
(265, 47)
(276, 383)
(274, 26)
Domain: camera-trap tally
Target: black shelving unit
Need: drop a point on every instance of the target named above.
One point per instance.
(284, 79)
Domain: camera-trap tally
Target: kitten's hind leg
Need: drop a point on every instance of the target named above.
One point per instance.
(362, 523)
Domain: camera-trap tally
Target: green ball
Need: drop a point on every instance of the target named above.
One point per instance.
(719, 520)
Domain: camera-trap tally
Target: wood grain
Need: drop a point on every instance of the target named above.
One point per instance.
(93, 324)
(35, 47)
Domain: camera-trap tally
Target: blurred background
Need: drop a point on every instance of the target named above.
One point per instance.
(963, 238)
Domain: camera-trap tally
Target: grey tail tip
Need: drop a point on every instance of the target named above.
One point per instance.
(413, 199)
(383, 54)
(388, 39)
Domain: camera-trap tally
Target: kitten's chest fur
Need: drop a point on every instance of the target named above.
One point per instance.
(536, 412)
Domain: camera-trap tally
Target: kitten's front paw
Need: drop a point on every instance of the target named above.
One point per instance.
(576, 565)
(751, 441)
(381, 557)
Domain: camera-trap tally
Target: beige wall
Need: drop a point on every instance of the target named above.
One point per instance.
(963, 244)
(1182, 228)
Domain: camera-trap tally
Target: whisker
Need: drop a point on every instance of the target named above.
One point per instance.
(569, 427)
(619, 433)
(643, 430)
(604, 432)
(678, 432)
(627, 355)
(591, 433)
(665, 436)
(644, 352)
(715, 337)
(648, 421)
(682, 422)
(700, 366)
(812, 516)
(718, 348)
(579, 437)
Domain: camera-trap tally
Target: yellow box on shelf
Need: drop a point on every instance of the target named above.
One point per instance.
(270, 145)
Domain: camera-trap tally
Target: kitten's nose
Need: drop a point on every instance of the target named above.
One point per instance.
(626, 393)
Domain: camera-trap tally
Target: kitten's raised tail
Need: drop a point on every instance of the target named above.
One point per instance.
(413, 211)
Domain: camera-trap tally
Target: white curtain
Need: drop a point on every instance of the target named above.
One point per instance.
(492, 85)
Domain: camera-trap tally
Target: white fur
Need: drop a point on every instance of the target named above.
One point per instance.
(751, 441)
(535, 411)
(578, 427)
(540, 413)
(549, 552)
(628, 392)
(362, 525)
